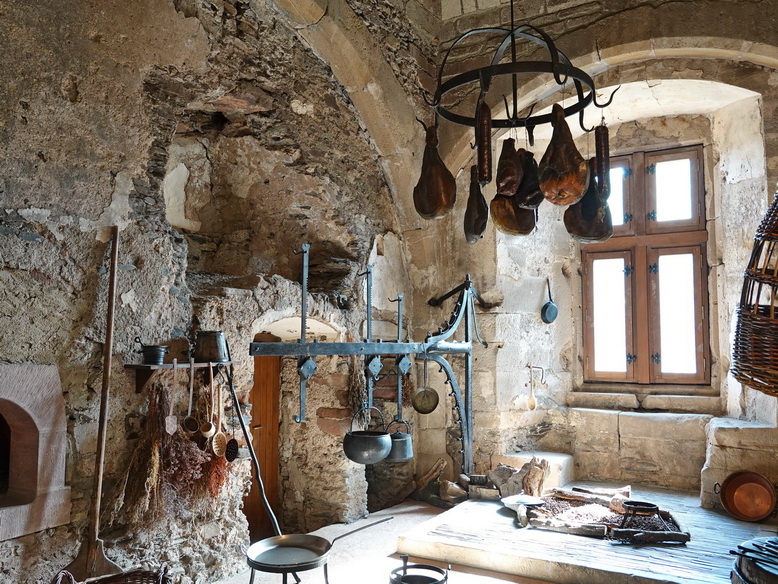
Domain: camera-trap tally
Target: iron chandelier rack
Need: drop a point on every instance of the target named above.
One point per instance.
(558, 65)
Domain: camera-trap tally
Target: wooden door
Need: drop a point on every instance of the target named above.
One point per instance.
(265, 396)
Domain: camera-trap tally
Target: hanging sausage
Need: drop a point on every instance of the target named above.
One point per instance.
(477, 212)
(483, 141)
(564, 174)
(436, 192)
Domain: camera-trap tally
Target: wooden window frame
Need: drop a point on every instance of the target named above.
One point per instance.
(643, 239)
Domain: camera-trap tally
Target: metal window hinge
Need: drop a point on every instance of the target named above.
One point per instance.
(656, 358)
(628, 270)
(631, 358)
(653, 269)
(651, 215)
(627, 217)
(651, 169)
(627, 172)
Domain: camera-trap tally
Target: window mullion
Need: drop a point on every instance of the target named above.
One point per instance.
(641, 315)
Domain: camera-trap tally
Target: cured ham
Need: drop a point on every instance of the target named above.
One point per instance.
(436, 192)
(509, 169)
(477, 212)
(564, 174)
(589, 220)
(511, 219)
(528, 193)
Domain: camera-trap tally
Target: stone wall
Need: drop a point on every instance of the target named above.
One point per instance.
(218, 143)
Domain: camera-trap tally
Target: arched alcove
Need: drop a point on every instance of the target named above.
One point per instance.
(32, 406)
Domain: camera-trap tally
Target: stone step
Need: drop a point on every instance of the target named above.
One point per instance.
(561, 468)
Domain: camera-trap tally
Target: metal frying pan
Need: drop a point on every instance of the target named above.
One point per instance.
(294, 553)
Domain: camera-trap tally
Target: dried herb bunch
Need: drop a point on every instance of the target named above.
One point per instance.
(183, 463)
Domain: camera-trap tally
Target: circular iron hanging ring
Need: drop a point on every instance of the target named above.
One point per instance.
(579, 77)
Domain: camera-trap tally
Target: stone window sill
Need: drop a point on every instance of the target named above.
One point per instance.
(677, 399)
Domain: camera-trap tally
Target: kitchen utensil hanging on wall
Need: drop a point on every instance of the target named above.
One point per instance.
(190, 424)
(219, 442)
(171, 422)
(207, 428)
(549, 311)
(426, 399)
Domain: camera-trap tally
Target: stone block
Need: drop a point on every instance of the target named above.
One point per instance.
(606, 401)
(561, 467)
(597, 465)
(595, 430)
(734, 433)
(698, 404)
(679, 427)
(763, 460)
(431, 441)
(667, 463)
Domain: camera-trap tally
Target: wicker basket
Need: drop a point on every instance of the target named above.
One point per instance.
(134, 577)
(755, 353)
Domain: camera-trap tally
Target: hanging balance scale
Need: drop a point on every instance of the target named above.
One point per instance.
(426, 399)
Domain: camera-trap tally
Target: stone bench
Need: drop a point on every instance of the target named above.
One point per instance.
(561, 469)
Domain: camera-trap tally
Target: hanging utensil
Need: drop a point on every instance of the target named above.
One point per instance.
(91, 560)
(219, 442)
(207, 428)
(426, 399)
(171, 422)
(190, 423)
(231, 450)
(549, 311)
(531, 402)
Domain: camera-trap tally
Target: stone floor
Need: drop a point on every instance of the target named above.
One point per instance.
(481, 542)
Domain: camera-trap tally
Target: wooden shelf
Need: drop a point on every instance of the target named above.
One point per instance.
(144, 374)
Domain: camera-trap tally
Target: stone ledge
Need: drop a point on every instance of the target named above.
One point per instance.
(606, 401)
(736, 433)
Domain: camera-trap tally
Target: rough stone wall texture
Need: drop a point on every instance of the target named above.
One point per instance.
(155, 116)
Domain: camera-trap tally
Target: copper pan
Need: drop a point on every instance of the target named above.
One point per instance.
(746, 495)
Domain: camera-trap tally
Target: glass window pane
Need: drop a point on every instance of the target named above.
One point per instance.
(673, 190)
(610, 315)
(677, 314)
(616, 197)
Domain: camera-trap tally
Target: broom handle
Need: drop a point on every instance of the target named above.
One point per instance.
(94, 516)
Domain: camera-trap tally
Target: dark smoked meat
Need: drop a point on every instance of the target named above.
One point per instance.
(483, 140)
(528, 194)
(477, 212)
(436, 192)
(589, 220)
(509, 169)
(509, 218)
(564, 174)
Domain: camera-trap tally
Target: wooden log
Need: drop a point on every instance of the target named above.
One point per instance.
(586, 529)
(643, 536)
(623, 491)
(431, 474)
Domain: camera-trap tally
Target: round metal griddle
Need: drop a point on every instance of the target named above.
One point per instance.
(288, 553)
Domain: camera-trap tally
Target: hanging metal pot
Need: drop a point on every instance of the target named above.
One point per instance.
(549, 311)
(402, 444)
(152, 354)
(367, 446)
(210, 347)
